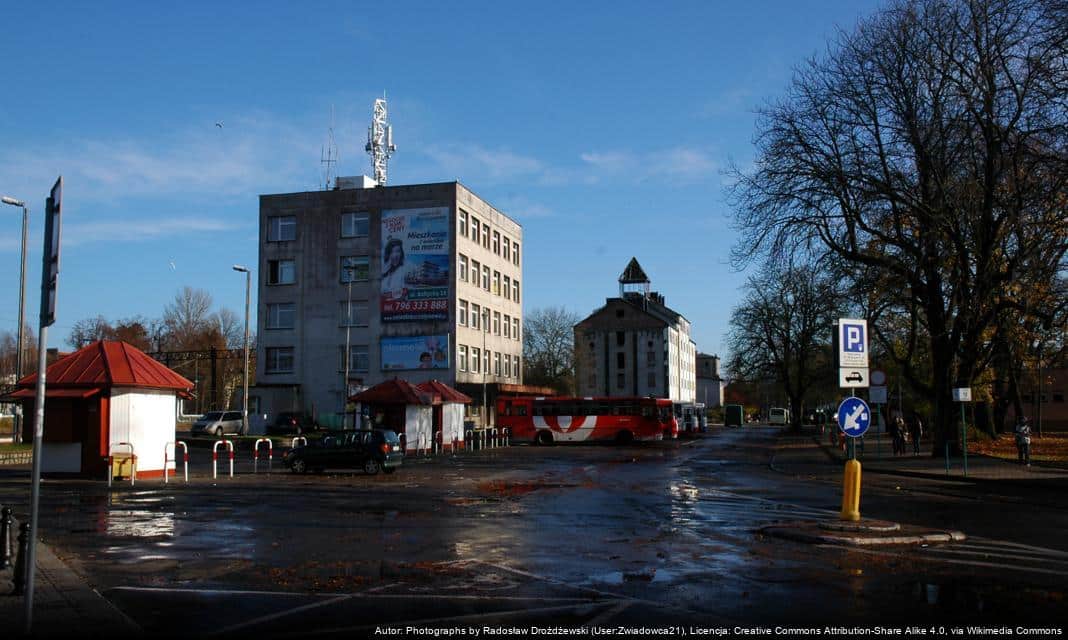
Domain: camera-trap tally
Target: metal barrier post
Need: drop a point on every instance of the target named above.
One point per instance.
(185, 456)
(256, 455)
(133, 461)
(5, 537)
(293, 445)
(166, 460)
(469, 440)
(230, 446)
(507, 436)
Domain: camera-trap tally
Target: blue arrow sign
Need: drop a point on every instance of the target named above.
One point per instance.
(854, 417)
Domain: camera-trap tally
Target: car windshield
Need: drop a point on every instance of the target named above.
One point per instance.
(212, 415)
(390, 437)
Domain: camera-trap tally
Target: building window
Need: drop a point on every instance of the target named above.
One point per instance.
(652, 380)
(621, 338)
(462, 313)
(476, 316)
(507, 326)
(497, 363)
(506, 288)
(355, 225)
(507, 248)
(463, 223)
(474, 360)
(355, 269)
(279, 360)
(463, 268)
(497, 323)
(485, 235)
(281, 228)
(281, 271)
(354, 315)
(497, 243)
(650, 358)
(621, 381)
(619, 313)
(476, 268)
(507, 366)
(461, 357)
(515, 328)
(474, 229)
(281, 315)
(486, 319)
(515, 253)
(497, 282)
(621, 360)
(359, 360)
(486, 361)
(515, 365)
(485, 277)
(515, 291)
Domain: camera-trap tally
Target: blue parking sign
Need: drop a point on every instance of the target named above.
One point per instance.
(854, 417)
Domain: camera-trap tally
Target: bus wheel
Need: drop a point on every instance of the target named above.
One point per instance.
(545, 438)
(624, 437)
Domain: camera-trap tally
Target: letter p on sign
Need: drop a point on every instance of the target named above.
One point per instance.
(854, 338)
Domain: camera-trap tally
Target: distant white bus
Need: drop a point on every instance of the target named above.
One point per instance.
(778, 416)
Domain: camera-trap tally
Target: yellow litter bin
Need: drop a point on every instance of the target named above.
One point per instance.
(122, 466)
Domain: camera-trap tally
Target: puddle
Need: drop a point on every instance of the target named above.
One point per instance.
(637, 576)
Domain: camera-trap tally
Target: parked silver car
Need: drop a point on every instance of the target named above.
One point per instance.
(217, 423)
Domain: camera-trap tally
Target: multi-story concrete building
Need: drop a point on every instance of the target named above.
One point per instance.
(709, 383)
(420, 281)
(635, 346)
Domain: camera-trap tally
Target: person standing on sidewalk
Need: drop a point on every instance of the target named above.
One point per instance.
(1023, 441)
(915, 432)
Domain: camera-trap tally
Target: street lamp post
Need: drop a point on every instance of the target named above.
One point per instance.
(22, 302)
(485, 365)
(244, 394)
(348, 355)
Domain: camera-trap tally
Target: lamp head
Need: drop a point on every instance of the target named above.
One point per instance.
(13, 201)
(241, 268)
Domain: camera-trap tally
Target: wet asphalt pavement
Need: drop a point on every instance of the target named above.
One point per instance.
(663, 534)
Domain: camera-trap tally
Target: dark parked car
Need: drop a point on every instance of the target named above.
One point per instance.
(368, 450)
(291, 422)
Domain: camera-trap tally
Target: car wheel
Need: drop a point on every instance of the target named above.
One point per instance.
(545, 438)
(371, 466)
(218, 432)
(299, 466)
(624, 437)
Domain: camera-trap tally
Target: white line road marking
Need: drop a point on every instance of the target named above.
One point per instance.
(277, 615)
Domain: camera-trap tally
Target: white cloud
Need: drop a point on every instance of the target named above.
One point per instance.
(80, 233)
(475, 163)
(677, 164)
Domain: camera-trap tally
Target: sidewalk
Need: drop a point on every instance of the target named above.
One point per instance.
(64, 605)
(808, 452)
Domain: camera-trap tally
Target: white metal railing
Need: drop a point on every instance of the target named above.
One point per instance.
(133, 462)
(256, 455)
(215, 457)
(173, 446)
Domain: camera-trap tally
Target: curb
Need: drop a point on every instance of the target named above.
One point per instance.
(801, 535)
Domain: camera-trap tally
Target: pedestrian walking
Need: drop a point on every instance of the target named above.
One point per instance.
(915, 432)
(1023, 441)
(897, 435)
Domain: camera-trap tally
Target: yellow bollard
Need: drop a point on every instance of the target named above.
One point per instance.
(851, 492)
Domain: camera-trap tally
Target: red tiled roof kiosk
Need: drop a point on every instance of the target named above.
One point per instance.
(416, 412)
(448, 416)
(99, 396)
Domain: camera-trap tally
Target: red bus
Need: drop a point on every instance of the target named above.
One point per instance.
(567, 419)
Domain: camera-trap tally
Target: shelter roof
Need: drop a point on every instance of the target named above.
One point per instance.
(395, 391)
(444, 391)
(104, 364)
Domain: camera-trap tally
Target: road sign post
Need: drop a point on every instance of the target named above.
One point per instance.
(854, 418)
(49, 282)
(963, 395)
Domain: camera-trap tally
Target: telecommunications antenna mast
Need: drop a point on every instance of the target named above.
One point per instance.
(380, 141)
(328, 155)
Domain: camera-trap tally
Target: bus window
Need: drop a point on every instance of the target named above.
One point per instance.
(647, 411)
(507, 408)
(539, 410)
(521, 410)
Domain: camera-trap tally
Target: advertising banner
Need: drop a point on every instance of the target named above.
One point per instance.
(415, 264)
(415, 352)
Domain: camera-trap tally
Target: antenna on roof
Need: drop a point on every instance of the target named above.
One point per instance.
(328, 155)
(380, 141)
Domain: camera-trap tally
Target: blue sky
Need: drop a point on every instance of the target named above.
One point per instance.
(602, 127)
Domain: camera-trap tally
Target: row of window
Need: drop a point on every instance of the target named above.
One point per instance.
(284, 228)
(479, 318)
(281, 360)
(504, 364)
(283, 315)
(621, 380)
(479, 233)
(480, 276)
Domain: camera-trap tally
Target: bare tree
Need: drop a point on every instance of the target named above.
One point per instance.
(188, 320)
(926, 149)
(782, 329)
(135, 331)
(549, 349)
